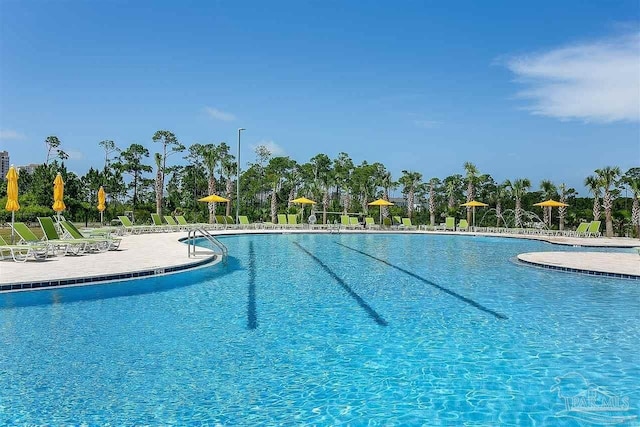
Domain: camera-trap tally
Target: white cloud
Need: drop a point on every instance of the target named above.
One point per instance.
(595, 82)
(219, 115)
(274, 149)
(73, 154)
(10, 134)
(427, 124)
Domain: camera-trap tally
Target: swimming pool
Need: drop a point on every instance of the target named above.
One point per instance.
(328, 329)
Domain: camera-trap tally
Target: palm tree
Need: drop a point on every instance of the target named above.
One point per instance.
(562, 210)
(433, 183)
(632, 179)
(500, 193)
(608, 178)
(387, 185)
(472, 176)
(159, 182)
(594, 186)
(548, 192)
(452, 188)
(274, 174)
(227, 170)
(518, 189)
(410, 181)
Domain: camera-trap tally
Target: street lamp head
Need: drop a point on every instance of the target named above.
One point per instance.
(239, 129)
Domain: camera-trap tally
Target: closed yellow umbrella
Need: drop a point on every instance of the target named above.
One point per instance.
(12, 197)
(303, 201)
(58, 194)
(380, 203)
(213, 198)
(473, 204)
(101, 205)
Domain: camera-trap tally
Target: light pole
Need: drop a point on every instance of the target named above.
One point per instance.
(238, 178)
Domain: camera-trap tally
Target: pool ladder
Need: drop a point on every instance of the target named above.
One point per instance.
(193, 235)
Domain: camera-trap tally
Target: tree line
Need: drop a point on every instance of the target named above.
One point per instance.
(136, 181)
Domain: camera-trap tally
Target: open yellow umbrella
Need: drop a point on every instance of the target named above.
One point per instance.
(101, 206)
(303, 201)
(550, 204)
(473, 204)
(213, 198)
(12, 197)
(380, 203)
(58, 194)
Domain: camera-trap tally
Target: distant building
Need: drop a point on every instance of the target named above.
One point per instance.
(4, 164)
(30, 168)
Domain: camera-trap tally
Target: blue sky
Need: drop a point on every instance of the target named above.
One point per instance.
(521, 89)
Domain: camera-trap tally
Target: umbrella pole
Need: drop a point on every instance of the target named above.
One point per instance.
(13, 232)
(474, 219)
(101, 218)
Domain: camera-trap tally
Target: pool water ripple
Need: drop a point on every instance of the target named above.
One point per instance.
(274, 338)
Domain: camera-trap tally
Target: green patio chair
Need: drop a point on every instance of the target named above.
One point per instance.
(182, 221)
(129, 227)
(386, 222)
(594, 229)
(282, 220)
(221, 221)
(397, 221)
(354, 223)
(580, 231)
(171, 222)
(158, 224)
(370, 223)
(463, 225)
(407, 225)
(345, 221)
(450, 223)
(111, 243)
(244, 222)
(292, 220)
(21, 253)
(231, 221)
(71, 245)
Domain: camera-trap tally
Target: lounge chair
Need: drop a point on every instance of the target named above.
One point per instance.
(370, 223)
(73, 246)
(112, 243)
(21, 253)
(292, 220)
(386, 222)
(354, 223)
(231, 222)
(173, 225)
(580, 231)
(158, 224)
(463, 225)
(282, 220)
(594, 229)
(450, 223)
(130, 228)
(344, 221)
(27, 237)
(187, 225)
(407, 225)
(397, 221)
(221, 220)
(243, 222)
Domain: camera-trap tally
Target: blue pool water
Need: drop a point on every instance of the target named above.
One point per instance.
(325, 330)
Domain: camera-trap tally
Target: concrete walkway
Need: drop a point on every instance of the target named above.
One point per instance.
(137, 253)
(157, 252)
(596, 263)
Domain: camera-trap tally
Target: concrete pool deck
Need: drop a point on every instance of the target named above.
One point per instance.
(160, 253)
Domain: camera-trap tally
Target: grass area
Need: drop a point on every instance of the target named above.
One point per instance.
(5, 232)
